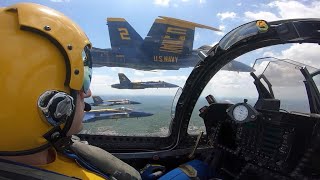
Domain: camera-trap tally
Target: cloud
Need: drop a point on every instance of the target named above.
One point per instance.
(138, 73)
(149, 73)
(202, 1)
(287, 10)
(103, 79)
(221, 33)
(214, 43)
(268, 16)
(171, 79)
(174, 3)
(197, 36)
(304, 53)
(295, 9)
(100, 83)
(286, 78)
(270, 54)
(307, 54)
(226, 15)
(164, 3)
(287, 81)
(175, 78)
(282, 74)
(239, 4)
(224, 84)
(115, 69)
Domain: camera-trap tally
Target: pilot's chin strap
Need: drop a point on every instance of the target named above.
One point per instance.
(96, 159)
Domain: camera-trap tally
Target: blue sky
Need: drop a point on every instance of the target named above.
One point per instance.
(226, 15)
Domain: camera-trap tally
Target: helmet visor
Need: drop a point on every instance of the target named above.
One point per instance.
(87, 63)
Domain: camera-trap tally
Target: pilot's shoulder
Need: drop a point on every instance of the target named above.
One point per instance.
(69, 167)
(61, 168)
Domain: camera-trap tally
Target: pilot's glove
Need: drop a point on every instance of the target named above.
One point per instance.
(152, 171)
(76, 138)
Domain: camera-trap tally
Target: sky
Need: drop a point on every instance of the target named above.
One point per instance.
(225, 15)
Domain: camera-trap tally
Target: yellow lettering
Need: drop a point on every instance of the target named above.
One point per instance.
(176, 30)
(124, 34)
(171, 48)
(170, 41)
(169, 59)
(172, 45)
(182, 38)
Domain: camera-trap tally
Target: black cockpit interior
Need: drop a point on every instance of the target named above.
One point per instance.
(243, 140)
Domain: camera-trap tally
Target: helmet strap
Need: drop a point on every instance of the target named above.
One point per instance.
(53, 103)
(53, 135)
(67, 126)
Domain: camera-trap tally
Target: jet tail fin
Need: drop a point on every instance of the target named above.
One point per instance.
(97, 99)
(123, 79)
(171, 37)
(124, 39)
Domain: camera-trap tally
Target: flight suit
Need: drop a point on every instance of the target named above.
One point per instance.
(69, 167)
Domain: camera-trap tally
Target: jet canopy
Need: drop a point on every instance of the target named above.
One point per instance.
(124, 109)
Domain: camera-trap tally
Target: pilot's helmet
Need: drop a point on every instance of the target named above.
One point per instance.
(45, 60)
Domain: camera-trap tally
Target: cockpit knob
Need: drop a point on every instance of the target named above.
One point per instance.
(210, 99)
(203, 109)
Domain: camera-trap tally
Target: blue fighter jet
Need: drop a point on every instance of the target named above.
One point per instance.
(125, 83)
(118, 113)
(168, 46)
(98, 101)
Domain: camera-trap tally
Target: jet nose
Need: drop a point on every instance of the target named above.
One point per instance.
(140, 114)
(87, 117)
(147, 114)
(173, 85)
(134, 102)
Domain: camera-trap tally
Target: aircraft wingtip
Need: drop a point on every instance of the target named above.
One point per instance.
(189, 23)
(109, 19)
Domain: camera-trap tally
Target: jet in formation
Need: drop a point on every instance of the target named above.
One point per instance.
(125, 83)
(98, 101)
(117, 113)
(168, 46)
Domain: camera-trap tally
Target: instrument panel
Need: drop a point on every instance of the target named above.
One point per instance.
(242, 112)
(273, 140)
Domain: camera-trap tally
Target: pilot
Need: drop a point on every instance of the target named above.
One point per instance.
(45, 75)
